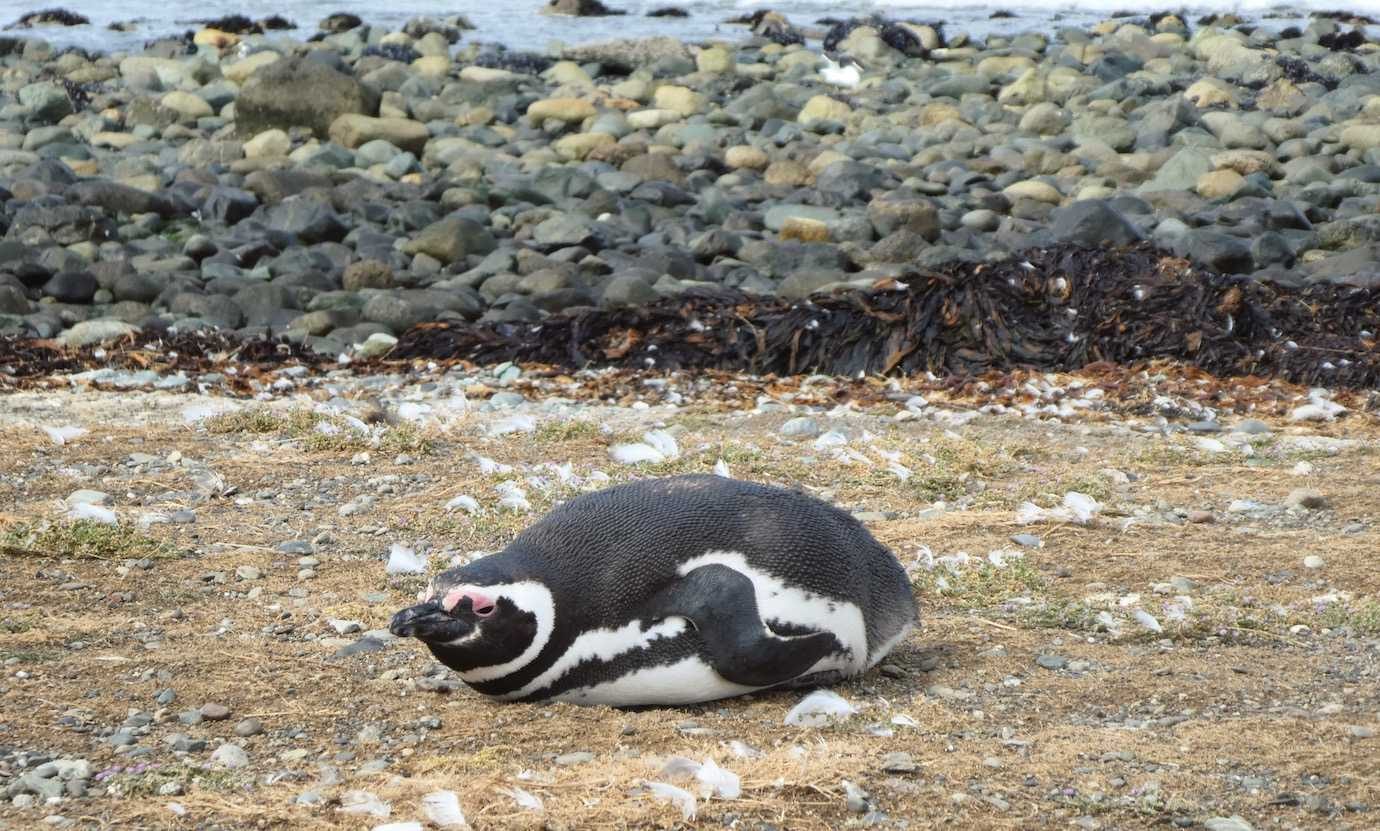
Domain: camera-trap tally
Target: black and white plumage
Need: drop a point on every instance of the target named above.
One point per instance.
(669, 591)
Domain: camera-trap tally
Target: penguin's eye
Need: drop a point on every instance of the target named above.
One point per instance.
(484, 611)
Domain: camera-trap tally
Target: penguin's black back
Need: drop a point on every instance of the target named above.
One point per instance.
(604, 554)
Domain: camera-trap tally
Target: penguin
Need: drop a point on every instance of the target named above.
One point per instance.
(667, 592)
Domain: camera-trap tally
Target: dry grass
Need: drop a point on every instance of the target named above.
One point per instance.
(1140, 728)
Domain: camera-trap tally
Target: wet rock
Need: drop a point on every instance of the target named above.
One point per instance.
(300, 92)
(452, 239)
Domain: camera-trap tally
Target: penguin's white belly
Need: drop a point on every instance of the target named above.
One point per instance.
(779, 601)
(688, 681)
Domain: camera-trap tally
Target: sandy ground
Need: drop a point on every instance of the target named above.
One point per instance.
(1259, 698)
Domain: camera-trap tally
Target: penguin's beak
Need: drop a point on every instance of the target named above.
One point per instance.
(428, 622)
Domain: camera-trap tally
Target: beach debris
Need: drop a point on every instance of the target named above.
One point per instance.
(92, 513)
(520, 423)
(657, 446)
(681, 798)
(489, 467)
(1076, 507)
(712, 780)
(64, 434)
(820, 708)
(442, 809)
(1147, 620)
(404, 560)
(464, 502)
(364, 802)
(512, 497)
(526, 800)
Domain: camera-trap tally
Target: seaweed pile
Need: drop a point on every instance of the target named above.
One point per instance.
(1057, 309)
(165, 353)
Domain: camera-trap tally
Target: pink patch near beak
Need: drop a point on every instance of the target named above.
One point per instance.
(482, 604)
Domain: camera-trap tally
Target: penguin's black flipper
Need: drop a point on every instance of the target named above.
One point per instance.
(738, 644)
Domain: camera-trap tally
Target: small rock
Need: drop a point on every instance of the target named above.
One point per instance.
(802, 427)
(1313, 561)
(376, 345)
(214, 712)
(899, 763)
(1200, 517)
(249, 727)
(248, 573)
(579, 757)
(1052, 661)
(1027, 540)
(1359, 731)
(230, 756)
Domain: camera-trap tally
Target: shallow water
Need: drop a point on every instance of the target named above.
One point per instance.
(519, 25)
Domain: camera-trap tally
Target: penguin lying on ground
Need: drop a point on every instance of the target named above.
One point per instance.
(669, 591)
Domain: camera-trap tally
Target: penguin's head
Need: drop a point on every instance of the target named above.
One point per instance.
(470, 626)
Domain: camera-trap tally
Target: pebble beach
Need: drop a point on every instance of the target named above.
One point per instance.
(364, 181)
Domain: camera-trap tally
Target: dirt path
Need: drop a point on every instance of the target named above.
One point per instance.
(247, 569)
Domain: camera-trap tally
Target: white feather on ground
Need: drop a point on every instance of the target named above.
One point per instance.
(664, 442)
(831, 439)
(364, 802)
(200, 412)
(521, 423)
(1147, 620)
(681, 798)
(721, 469)
(512, 497)
(93, 513)
(526, 800)
(403, 560)
(718, 781)
(410, 825)
(633, 454)
(442, 809)
(657, 446)
(412, 411)
(819, 708)
(712, 780)
(489, 467)
(1077, 507)
(62, 435)
(464, 502)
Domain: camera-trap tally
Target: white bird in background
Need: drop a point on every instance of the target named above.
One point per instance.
(845, 73)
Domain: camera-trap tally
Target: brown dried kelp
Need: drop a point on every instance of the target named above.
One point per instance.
(187, 352)
(1058, 309)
